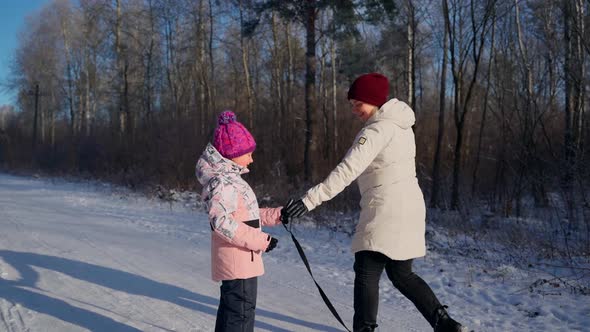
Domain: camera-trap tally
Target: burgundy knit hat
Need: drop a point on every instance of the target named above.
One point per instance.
(370, 88)
(231, 138)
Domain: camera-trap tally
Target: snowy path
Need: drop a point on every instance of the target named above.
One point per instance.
(75, 257)
(93, 257)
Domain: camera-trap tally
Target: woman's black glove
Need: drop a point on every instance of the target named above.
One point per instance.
(272, 244)
(284, 216)
(294, 209)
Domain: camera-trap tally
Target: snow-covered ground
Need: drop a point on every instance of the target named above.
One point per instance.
(80, 256)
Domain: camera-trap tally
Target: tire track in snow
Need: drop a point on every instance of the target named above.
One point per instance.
(20, 323)
(11, 317)
(3, 318)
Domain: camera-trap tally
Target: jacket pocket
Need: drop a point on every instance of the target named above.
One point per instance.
(253, 223)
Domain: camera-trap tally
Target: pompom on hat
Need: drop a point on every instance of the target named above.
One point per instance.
(231, 138)
(370, 88)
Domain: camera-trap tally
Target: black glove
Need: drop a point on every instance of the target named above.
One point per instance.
(294, 209)
(284, 216)
(272, 244)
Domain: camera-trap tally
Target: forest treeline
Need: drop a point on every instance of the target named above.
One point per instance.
(131, 89)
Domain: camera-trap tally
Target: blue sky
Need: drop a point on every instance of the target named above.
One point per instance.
(12, 18)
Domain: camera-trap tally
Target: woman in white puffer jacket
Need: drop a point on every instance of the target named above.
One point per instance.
(391, 228)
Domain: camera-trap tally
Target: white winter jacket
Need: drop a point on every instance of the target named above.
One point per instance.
(382, 158)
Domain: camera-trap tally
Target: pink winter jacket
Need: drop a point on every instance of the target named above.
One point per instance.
(237, 241)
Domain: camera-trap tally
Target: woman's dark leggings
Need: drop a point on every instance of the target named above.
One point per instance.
(237, 305)
(368, 267)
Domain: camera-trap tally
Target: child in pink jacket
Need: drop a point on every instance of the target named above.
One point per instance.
(237, 241)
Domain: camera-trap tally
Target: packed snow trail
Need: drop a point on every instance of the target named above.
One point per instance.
(87, 257)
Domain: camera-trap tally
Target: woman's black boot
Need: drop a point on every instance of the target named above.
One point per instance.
(444, 322)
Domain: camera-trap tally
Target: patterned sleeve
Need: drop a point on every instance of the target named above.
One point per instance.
(270, 216)
(222, 203)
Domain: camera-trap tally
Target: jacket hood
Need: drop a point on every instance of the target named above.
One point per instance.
(212, 164)
(396, 111)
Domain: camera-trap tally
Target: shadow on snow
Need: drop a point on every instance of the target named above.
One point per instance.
(114, 279)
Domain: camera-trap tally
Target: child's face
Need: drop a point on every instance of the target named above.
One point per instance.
(244, 160)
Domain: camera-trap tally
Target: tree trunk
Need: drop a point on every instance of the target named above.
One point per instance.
(127, 120)
(580, 78)
(461, 104)
(574, 71)
(120, 72)
(52, 123)
(200, 72)
(434, 199)
(311, 144)
(244, 46)
(149, 68)
(290, 130)
(70, 84)
(334, 100)
(411, 54)
(570, 155)
(211, 91)
(36, 116)
(277, 87)
(325, 111)
(322, 93)
(87, 120)
(484, 112)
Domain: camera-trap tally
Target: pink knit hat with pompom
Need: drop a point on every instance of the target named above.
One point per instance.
(231, 138)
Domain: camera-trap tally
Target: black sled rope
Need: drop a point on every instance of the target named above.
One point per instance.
(324, 296)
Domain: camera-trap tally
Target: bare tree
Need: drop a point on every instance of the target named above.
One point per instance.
(462, 48)
(574, 71)
(245, 51)
(434, 195)
(411, 27)
(474, 180)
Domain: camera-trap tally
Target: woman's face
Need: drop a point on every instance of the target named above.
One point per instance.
(244, 160)
(362, 110)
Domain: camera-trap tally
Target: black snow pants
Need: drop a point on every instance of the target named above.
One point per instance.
(237, 305)
(368, 267)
